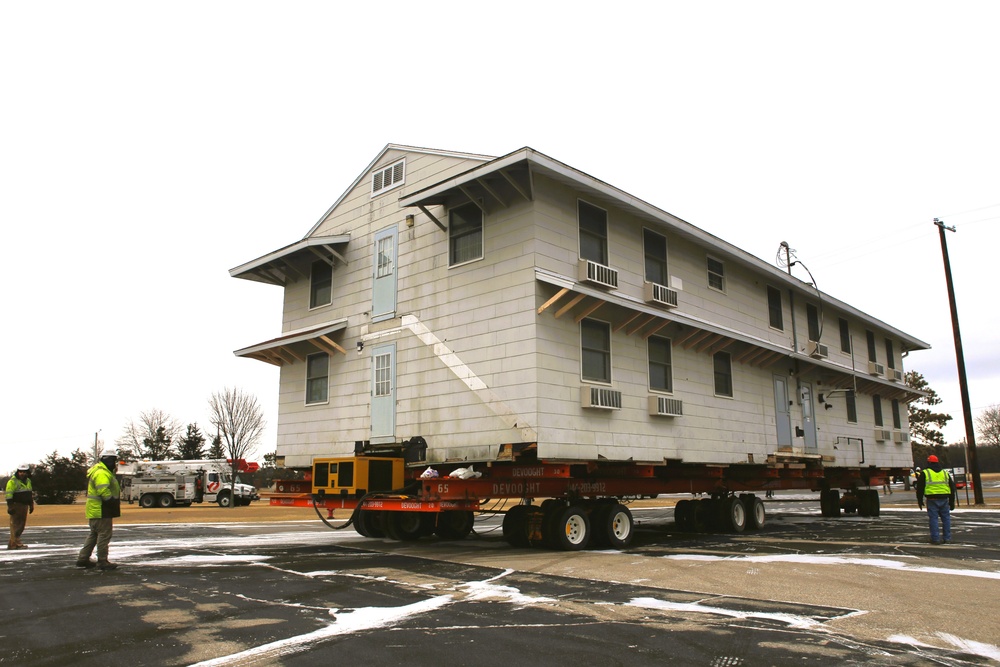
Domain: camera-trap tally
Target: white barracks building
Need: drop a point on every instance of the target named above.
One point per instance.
(515, 307)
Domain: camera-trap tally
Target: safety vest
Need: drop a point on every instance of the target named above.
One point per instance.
(936, 483)
(18, 491)
(101, 485)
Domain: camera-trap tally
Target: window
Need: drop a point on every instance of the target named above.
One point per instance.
(655, 248)
(890, 358)
(871, 346)
(852, 407)
(660, 373)
(384, 251)
(383, 375)
(877, 406)
(321, 284)
(774, 315)
(812, 320)
(317, 378)
(845, 336)
(465, 234)
(716, 274)
(596, 350)
(388, 177)
(593, 233)
(896, 421)
(723, 374)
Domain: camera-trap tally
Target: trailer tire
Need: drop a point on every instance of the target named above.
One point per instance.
(147, 500)
(165, 500)
(733, 515)
(684, 515)
(366, 523)
(612, 526)
(454, 524)
(551, 511)
(829, 503)
(571, 530)
(756, 512)
(703, 516)
(868, 502)
(403, 526)
(874, 503)
(515, 526)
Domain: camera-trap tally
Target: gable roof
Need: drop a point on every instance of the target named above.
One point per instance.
(378, 158)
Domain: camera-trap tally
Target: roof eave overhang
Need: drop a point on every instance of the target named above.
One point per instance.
(296, 345)
(289, 263)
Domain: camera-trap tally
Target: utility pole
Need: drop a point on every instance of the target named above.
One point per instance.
(963, 383)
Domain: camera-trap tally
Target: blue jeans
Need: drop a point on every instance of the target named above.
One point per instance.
(938, 507)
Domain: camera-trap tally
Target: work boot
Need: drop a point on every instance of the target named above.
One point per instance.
(86, 563)
(106, 565)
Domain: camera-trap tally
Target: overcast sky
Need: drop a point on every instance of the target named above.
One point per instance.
(150, 147)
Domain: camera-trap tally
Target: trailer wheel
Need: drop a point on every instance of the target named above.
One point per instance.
(703, 516)
(404, 526)
(874, 507)
(612, 526)
(147, 500)
(515, 526)
(454, 524)
(733, 514)
(868, 502)
(684, 515)
(551, 511)
(756, 513)
(366, 523)
(571, 530)
(829, 503)
(165, 500)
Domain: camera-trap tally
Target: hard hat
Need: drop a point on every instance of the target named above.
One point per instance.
(110, 453)
(26, 467)
(932, 459)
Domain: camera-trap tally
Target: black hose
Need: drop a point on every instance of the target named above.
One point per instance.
(357, 507)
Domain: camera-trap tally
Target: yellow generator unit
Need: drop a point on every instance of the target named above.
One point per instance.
(356, 475)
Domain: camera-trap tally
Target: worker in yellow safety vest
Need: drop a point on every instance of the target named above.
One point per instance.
(103, 506)
(20, 503)
(936, 486)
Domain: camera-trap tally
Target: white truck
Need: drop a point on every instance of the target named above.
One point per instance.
(183, 482)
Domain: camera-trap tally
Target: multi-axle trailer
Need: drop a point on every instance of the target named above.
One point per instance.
(568, 505)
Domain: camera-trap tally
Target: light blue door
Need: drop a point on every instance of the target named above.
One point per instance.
(384, 284)
(782, 411)
(383, 394)
(808, 417)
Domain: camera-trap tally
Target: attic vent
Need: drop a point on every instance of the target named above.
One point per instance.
(388, 178)
(600, 397)
(660, 295)
(663, 406)
(598, 274)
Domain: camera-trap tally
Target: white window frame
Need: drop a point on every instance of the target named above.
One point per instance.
(722, 276)
(391, 170)
(326, 397)
(482, 234)
(670, 366)
(732, 378)
(611, 364)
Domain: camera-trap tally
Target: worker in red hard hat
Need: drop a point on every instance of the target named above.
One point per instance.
(936, 486)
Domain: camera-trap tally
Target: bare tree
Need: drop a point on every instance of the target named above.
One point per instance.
(988, 425)
(239, 420)
(152, 437)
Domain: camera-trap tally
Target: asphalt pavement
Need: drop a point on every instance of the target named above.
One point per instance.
(803, 590)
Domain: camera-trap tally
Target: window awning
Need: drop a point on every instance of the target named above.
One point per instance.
(293, 261)
(296, 345)
(634, 317)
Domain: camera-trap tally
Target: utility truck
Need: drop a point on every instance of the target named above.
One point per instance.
(183, 482)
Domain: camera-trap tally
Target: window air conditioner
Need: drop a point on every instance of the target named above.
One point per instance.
(664, 406)
(660, 295)
(597, 274)
(600, 398)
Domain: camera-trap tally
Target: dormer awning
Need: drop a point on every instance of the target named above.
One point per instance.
(293, 261)
(296, 345)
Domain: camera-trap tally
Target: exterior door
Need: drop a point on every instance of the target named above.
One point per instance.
(383, 394)
(782, 411)
(808, 417)
(384, 284)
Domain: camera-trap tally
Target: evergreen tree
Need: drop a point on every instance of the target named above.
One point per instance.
(925, 424)
(58, 479)
(159, 447)
(192, 445)
(216, 451)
